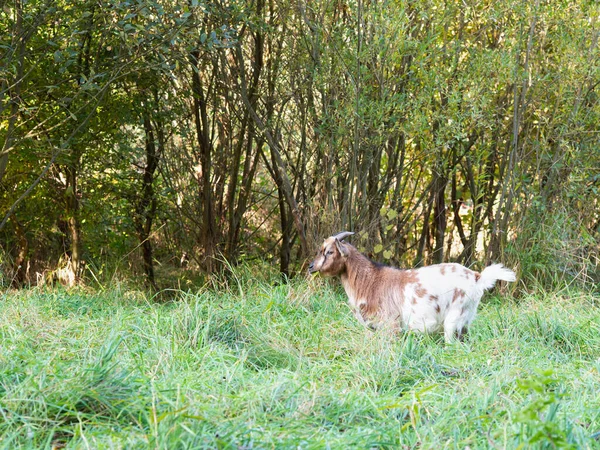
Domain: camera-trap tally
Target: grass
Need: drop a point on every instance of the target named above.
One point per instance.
(261, 366)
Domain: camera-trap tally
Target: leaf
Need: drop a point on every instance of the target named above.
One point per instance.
(378, 248)
(388, 254)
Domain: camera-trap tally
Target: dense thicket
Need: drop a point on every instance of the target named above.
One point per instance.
(159, 136)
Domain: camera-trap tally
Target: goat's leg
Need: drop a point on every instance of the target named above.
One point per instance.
(451, 326)
(461, 334)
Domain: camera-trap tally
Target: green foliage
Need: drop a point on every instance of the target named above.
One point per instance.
(384, 116)
(288, 366)
(554, 249)
(538, 417)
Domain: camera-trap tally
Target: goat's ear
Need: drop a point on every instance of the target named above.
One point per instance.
(341, 248)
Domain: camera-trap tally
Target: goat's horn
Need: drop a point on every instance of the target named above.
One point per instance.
(343, 234)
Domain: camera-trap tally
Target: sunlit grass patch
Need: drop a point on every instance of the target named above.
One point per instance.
(288, 366)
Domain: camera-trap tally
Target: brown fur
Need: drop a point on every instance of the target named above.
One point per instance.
(458, 293)
(366, 277)
(420, 291)
(372, 283)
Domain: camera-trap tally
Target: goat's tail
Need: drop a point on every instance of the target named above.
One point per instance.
(493, 273)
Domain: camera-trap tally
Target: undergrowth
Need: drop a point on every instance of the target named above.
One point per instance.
(263, 366)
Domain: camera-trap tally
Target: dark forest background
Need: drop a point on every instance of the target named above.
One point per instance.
(165, 142)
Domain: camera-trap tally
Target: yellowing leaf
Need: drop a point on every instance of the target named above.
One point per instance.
(378, 248)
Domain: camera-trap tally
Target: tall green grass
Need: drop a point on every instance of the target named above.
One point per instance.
(263, 366)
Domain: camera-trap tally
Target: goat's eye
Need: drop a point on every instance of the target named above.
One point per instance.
(329, 253)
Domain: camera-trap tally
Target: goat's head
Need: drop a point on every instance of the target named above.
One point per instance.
(331, 258)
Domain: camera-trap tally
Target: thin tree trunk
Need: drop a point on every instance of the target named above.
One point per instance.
(15, 92)
(20, 264)
(73, 167)
(284, 252)
(236, 213)
(508, 195)
(145, 205)
(209, 233)
(72, 211)
(279, 166)
(456, 203)
(420, 260)
(439, 217)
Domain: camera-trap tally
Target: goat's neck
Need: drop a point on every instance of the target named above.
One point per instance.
(358, 272)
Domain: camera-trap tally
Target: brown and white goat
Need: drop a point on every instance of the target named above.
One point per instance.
(428, 299)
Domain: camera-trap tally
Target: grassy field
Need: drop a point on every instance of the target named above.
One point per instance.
(262, 366)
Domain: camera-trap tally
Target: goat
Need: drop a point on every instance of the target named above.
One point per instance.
(428, 299)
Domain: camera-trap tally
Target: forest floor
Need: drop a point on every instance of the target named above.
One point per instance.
(256, 365)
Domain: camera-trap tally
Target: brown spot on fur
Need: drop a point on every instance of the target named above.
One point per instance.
(477, 276)
(420, 291)
(434, 298)
(438, 309)
(413, 300)
(458, 293)
(453, 268)
(443, 269)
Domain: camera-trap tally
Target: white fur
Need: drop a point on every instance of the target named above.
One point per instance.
(495, 272)
(456, 311)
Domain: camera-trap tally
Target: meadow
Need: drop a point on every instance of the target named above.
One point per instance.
(253, 364)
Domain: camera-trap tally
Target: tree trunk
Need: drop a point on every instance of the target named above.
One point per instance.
(20, 265)
(72, 211)
(236, 213)
(279, 167)
(420, 258)
(284, 252)
(439, 217)
(15, 90)
(209, 233)
(145, 205)
(507, 198)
